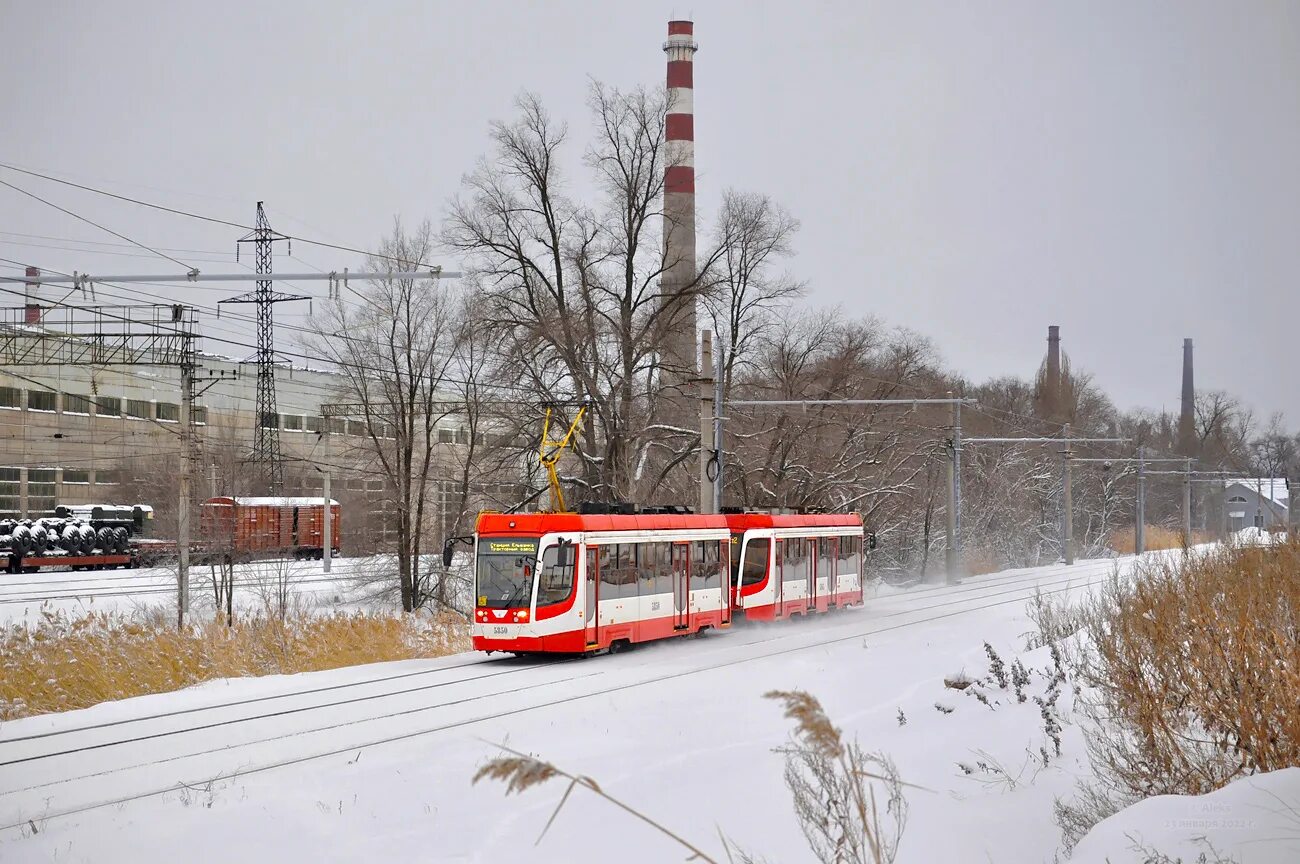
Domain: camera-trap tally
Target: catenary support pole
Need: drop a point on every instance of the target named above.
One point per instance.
(706, 420)
(1067, 503)
(212, 480)
(956, 481)
(183, 504)
(1187, 505)
(718, 381)
(1140, 527)
(327, 532)
(950, 527)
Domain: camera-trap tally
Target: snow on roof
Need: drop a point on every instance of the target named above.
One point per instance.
(1272, 488)
(276, 501)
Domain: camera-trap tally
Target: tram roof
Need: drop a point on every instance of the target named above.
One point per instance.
(529, 524)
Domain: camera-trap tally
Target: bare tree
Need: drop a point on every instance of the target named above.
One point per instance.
(393, 347)
(573, 289)
(752, 234)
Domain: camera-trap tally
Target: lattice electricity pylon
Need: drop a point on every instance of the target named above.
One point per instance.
(266, 431)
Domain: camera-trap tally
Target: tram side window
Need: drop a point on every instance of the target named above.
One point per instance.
(735, 557)
(555, 579)
(796, 560)
(625, 570)
(608, 575)
(826, 556)
(663, 566)
(754, 567)
(705, 561)
(850, 555)
(658, 559)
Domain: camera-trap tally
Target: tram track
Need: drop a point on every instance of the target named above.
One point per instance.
(973, 599)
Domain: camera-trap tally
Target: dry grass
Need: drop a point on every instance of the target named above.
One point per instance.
(1124, 540)
(1192, 674)
(977, 562)
(58, 663)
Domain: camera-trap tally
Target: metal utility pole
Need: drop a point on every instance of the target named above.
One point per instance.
(143, 335)
(1067, 501)
(327, 533)
(1140, 528)
(1067, 457)
(266, 434)
(1187, 505)
(707, 396)
(956, 485)
(952, 531)
(183, 506)
(1142, 461)
(718, 382)
(951, 528)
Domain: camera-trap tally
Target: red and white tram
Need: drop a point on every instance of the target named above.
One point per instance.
(574, 583)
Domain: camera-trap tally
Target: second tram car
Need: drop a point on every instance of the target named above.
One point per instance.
(575, 583)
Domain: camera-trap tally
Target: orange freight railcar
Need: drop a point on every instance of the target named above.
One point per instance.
(263, 527)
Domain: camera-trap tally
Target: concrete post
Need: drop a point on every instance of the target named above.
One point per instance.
(1140, 528)
(950, 529)
(706, 420)
(1187, 505)
(1067, 502)
(183, 504)
(718, 381)
(327, 531)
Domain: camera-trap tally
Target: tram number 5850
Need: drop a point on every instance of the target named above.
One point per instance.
(500, 631)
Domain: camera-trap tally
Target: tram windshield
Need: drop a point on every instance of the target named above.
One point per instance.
(503, 576)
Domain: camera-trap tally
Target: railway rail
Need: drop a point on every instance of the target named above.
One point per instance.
(920, 607)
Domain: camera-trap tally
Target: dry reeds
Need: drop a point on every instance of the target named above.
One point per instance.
(831, 784)
(59, 663)
(1124, 540)
(1192, 671)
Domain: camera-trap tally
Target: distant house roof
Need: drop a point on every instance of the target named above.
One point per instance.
(1273, 488)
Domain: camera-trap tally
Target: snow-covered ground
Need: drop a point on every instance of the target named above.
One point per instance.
(374, 763)
(79, 592)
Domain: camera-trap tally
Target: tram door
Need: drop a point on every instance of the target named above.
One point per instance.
(812, 573)
(681, 570)
(592, 585)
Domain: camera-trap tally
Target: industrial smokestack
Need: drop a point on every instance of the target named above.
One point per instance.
(32, 296)
(1049, 394)
(679, 195)
(1054, 356)
(1187, 416)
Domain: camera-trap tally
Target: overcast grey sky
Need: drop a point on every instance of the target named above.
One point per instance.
(974, 171)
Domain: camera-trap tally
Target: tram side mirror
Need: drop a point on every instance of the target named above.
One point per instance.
(562, 553)
(871, 541)
(447, 554)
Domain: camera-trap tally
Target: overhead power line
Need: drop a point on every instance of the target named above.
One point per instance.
(176, 212)
(96, 224)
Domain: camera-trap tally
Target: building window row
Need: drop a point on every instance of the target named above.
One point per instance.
(47, 401)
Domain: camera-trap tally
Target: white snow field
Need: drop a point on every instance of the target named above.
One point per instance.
(374, 763)
(80, 592)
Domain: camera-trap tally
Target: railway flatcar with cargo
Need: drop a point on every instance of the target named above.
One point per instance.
(575, 583)
(79, 537)
(267, 527)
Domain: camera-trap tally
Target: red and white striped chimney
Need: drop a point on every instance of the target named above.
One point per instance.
(33, 296)
(679, 190)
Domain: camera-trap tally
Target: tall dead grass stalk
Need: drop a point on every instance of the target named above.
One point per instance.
(59, 663)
